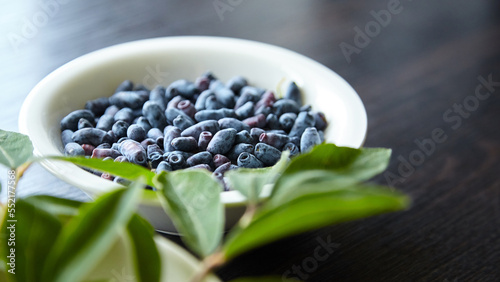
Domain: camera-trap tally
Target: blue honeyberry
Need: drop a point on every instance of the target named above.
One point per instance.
(225, 97)
(181, 87)
(172, 113)
(104, 146)
(285, 106)
(111, 110)
(91, 136)
(303, 121)
(245, 111)
(255, 134)
(128, 99)
(134, 152)
(201, 166)
(211, 103)
(157, 95)
(155, 114)
(274, 139)
(214, 114)
(187, 107)
(105, 122)
(287, 120)
(200, 158)
(186, 144)
(144, 123)
(136, 132)
(204, 139)
(176, 160)
(170, 134)
(294, 149)
(182, 122)
(256, 121)
(222, 141)
(219, 160)
(154, 133)
(200, 102)
(101, 153)
(126, 85)
(71, 120)
(125, 114)
(236, 83)
(120, 128)
(66, 136)
(249, 161)
(243, 137)
(306, 108)
(320, 121)
(174, 102)
(272, 122)
(233, 123)
(73, 149)
(97, 106)
(237, 149)
(163, 166)
(293, 93)
(266, 100)
(209, 125)
(155, 159)
(224, 167)
(267, 154)
(263, 110)
(246, 96)
(310, 138)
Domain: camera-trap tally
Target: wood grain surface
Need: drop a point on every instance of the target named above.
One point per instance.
(417, 74)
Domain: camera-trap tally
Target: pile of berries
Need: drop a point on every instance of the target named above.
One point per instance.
(203, 124)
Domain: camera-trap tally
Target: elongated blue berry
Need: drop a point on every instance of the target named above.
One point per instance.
(303, 121)
(199, 158)
(133, 151)
(243, 137)
(233, 123)
(249, 161)
(155, 114)
(73, 149)
(71, 120)
(136, 132)
(222, 141)
(293, 93)
(186, 144)
(310, 138)
(237, 149)
(209, 125)
(91, 136)
(267, 154)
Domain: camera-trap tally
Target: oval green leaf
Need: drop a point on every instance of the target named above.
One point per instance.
(191, 198)
(15, 149)
(313, 211)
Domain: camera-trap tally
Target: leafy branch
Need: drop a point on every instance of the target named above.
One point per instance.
(323, 187)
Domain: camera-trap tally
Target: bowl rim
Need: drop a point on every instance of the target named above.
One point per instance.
(229, 198)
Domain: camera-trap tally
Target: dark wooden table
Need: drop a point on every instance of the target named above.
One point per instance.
(419, 71)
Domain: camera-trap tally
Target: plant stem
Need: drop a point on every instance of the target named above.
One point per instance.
(209, 264)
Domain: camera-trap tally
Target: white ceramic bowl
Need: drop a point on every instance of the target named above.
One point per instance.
(163, 60)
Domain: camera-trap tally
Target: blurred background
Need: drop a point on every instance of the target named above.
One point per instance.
(415, 65)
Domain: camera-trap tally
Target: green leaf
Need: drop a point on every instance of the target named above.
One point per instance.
(344, 162)
(36, 231)
(15, 149)
(313, 211)
(251, 181)
(88, 236)
(307, 182)
(191, 198)
(126, 170)
(147, 260)
(63, 209)
(265, 279)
